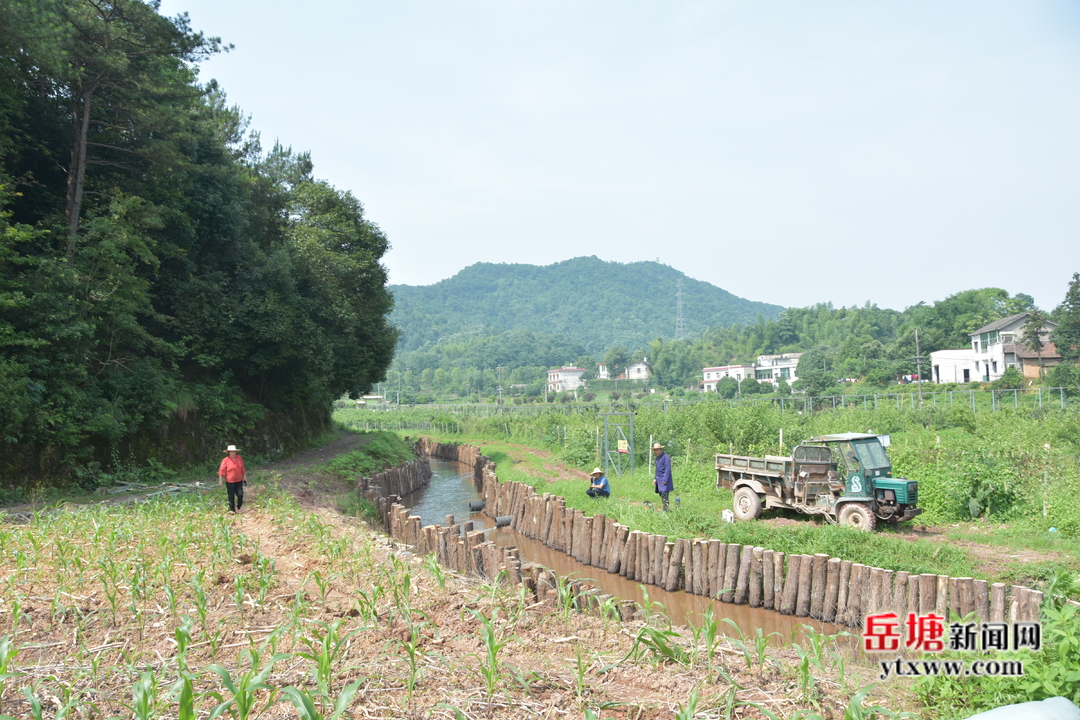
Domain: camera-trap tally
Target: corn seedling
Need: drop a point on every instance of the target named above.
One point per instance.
(8, 651)
(244, 689)
(433, 567)
(306, 706)
(489, 664)
(324, 649)
(688, 712)
(659, 645)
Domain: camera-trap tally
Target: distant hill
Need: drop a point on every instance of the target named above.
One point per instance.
(586, 301)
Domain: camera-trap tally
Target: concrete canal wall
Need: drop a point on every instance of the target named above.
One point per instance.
(816, 586)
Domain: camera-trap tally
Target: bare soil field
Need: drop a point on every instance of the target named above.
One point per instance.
(175, 608)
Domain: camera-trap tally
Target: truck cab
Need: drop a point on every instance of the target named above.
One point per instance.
(847, 478)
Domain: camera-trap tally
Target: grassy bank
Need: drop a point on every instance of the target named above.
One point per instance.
(985, 479)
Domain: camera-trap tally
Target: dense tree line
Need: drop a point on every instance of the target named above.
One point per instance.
(166, 283)
(869, 344)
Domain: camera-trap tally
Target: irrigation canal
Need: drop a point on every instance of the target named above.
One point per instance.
(451, 490)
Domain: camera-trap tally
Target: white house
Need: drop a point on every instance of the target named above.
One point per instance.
(994, 349)
(774, 367)
(565, 378)
(713, 375)
(602, 372)
(638, 370)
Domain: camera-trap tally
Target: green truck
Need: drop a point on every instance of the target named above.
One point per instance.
(845, 478)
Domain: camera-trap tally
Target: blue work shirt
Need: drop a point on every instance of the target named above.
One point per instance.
(663, 473)
(604, 485)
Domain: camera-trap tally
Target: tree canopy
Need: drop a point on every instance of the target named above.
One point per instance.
(166, 283)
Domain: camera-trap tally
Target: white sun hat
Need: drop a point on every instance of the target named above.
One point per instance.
(231, 448)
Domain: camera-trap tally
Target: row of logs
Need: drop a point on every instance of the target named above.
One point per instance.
(816, 586)
(387, 487)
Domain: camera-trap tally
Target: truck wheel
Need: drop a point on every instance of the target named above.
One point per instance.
(747, 504)
(857, 516)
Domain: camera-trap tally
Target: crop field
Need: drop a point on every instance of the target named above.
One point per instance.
(172, 608)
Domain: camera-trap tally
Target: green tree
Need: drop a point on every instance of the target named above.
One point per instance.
(727, 387)
(1066, 336)
(1034, 330)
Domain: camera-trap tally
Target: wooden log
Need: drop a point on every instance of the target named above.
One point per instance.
(941, 607)
(698, 573)
(756, 589)
(742, 582)
(832, 590)
(586, 539)
(768, 580)
(731, 572)
(778, 579)
(599, 524)
(791, 585)
(802, 597)
(577, 541)
(658, 565)
(966, 596)
(513, 571)
(913, 594)
(621, 532)
(954, 599)
(665, 564)
(688, 567)
(872, 596)
(981, 590)
(642, 557)
(545, 523)
(671, 580)
(841, 594)
(629, 555)
(717, 551)
(900, 595)
(818, 570)
(1016, 592)
(706, 567)
(927, 593)
(887, 579)
(997, 602)
(717, 587)
(855, 602)
(1034, 607)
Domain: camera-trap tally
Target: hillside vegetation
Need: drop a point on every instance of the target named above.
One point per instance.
(167, 284)
(586, 301)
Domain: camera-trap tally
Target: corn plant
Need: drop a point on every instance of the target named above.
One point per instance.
(308, 710)
(8, 651)
(433, 567)
(324, 648)
(244, 688)
(489, 663)
(688, 712)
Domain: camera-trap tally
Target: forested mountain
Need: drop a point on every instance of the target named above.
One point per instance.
(585, 301)
(166, 284)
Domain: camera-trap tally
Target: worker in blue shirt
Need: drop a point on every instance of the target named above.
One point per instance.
(663, 482)
(600, 486)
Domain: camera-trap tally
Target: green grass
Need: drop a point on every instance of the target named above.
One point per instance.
(382, 450)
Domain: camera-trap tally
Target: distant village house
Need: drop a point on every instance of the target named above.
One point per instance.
(995, 348)
(768, 368)
(565, 378)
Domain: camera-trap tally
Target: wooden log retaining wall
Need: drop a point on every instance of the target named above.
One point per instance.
(816, 586)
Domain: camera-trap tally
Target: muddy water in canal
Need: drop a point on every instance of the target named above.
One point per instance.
(451, 490)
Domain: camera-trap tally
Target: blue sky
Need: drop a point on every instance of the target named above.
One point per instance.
(788, 152)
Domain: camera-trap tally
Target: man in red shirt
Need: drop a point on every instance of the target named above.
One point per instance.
(232, 473)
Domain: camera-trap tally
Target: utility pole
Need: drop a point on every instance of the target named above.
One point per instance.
(918, 365)
(500, 369)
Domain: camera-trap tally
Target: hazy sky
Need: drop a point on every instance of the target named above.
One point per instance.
(790, 152)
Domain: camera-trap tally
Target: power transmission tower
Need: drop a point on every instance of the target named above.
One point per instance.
(680, 320)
